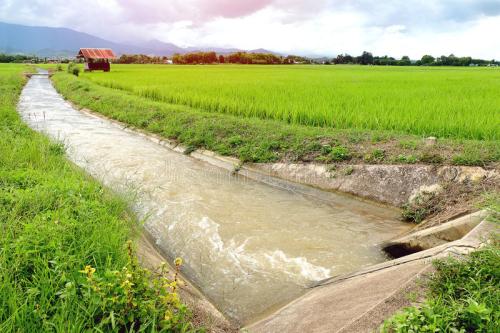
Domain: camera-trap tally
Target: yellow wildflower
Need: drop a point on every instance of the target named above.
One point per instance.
(89, 270)
(178, 262)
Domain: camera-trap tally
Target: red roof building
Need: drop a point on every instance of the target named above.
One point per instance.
(96, 59)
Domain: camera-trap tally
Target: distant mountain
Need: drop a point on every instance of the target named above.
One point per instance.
(158, 47)
(43, 41)
(63, 42)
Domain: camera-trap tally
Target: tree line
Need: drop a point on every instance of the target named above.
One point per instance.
(17, 58)
(140, 59)
(237, 58)
(367, 58)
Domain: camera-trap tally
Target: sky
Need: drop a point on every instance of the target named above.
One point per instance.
(305, 27)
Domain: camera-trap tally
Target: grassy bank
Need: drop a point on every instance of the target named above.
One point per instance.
(266, 140)
(464, 296)
(65, 261)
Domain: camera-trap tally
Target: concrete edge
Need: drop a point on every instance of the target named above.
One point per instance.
(471, 240)
(474, 240)
(431, 237)
(373, 314)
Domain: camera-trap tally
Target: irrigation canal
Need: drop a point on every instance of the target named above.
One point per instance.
(247, 246)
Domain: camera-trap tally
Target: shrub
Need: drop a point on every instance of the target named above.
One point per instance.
(339, 153)
(70, 67)
(73, 69)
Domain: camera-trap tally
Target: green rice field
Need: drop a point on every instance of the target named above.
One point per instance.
(461, 103)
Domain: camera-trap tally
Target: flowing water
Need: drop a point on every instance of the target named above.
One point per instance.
(247, 246)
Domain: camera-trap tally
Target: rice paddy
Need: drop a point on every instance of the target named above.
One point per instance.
(460, 103)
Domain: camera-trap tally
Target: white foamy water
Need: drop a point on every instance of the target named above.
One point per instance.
(246, 245)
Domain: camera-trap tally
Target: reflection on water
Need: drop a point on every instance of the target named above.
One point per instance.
(248, 246)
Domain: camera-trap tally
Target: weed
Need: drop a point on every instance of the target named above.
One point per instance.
(414, 213)
(431, 158)
(235, 141)
(57, 148)
(340, 153)
(348, 170)
(410, 159)
(376, 155)
(408, 144)
(189, 149)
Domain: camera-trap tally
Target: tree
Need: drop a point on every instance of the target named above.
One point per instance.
(178, 59)
(366, 58)
(221, 59)
(405, 61)
(427, 60)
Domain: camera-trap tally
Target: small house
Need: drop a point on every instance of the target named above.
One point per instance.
(96, 59)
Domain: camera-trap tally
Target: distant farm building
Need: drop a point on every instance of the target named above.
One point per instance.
(96, 59)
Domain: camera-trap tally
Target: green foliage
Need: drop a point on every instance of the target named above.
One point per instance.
(464, 297)
(409, 144)
(54, 221)
(13, 58)
(70, 67)
(414, 213)
(409, 159)
(377, 155)
(140, 59)
(73, 69)
(338, 154)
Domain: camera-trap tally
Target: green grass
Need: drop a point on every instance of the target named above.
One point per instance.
(56, 227)
(444, 102)
(260, 140)
(464, 296)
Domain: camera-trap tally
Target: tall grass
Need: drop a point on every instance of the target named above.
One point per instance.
(64, 261)
(444, 102)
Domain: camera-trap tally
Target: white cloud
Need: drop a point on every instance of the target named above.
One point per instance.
(321, 27)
